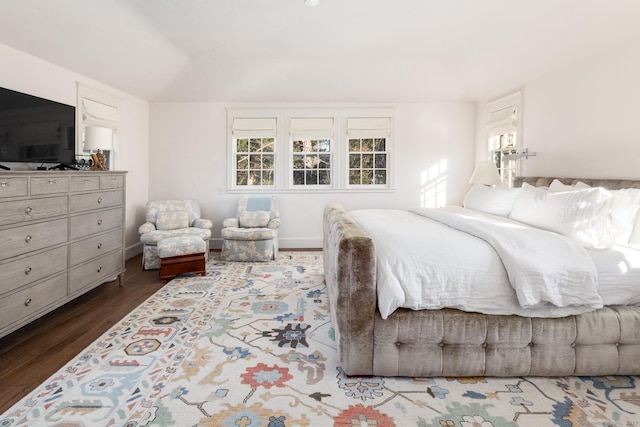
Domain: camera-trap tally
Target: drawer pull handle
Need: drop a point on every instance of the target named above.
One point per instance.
(27, 270)
(52, 181)
(99, 269)
(99, 245)
(100, 221)
(5, 184)
(99, 200)
(28, 210)
(28, 239)
(27, 302)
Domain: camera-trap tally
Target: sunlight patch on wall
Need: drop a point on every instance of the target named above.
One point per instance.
(433, 185)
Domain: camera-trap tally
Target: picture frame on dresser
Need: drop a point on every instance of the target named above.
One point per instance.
(61, 235)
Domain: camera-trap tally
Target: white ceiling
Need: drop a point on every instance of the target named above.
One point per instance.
(339, 51)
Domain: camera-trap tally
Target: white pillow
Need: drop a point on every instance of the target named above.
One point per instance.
(582, 215)
(624, 212)
(493, 200)
(558, 187)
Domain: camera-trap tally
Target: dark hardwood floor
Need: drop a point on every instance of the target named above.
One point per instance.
(33, 353)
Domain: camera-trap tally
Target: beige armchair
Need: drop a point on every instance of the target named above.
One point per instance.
(170, 218)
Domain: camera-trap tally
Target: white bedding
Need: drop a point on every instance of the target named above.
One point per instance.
(425, 264)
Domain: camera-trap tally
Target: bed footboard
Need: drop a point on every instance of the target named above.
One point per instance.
(350, 275)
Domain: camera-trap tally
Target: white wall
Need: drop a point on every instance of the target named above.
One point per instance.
(582, 121)
(188, 159)
(26, 73)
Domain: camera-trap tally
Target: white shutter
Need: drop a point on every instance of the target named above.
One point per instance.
(311, 127)
(264, 127)
(368, 127)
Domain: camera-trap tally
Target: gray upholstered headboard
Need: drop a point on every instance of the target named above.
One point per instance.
(609, 184)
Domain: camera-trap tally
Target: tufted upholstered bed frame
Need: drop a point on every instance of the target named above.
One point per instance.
(450, 342)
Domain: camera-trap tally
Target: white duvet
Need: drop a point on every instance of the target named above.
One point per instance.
(458, 258)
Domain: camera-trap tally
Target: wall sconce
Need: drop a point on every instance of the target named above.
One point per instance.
(96, 139)
(486, 173)
(516, 155)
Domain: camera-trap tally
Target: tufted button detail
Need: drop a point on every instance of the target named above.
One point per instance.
(441, 344)
(398, 344)
(617, 344)
(530, 344)
(484, 345)
(573, 344)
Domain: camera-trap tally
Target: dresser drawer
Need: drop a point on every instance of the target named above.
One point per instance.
(95, 222)
(98, 270)
(12, 187)
(19, 272)
(84, 183)
(27, 238)
(49, 185)
(111, 181)
(27, 210)
(94, 246)
(29, 301)
(90, 201)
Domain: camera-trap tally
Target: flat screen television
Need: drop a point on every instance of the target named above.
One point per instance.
(36, 130)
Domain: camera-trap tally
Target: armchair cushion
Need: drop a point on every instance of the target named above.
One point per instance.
(172, 220)
(254, 219)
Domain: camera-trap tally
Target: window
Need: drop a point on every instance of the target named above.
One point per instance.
(310, 149)
(368, 156)
(101, 112)
(502, 130)
(311, 142)
(254, 151)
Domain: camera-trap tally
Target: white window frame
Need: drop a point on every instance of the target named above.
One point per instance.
(504, 116)
(339, 173)
(248, 128)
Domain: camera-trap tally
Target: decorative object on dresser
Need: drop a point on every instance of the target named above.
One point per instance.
(98, 138)
(253, 234)
(171, 218)
(61, 234)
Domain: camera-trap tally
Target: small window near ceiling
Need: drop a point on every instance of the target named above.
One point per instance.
(311, 151)
(368, 151)
(254, 152)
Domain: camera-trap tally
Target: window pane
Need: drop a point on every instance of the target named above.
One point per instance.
(241, 178)
(367, 145)
(298, 146)
(380, 144)
(381, 161)
(298, 177)
(255, 178)
(255, 161)
(381, 177)
(242, 145)
(255, 145)
(354, 145)
(268, 145)
(325, 161)
(354, 177)
(367, 176)
(267, 162)
(367, 160)
(324, 177)
(324, 145)
(242, 161)
(298, 162)
(354, 161)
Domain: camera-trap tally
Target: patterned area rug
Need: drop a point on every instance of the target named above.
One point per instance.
(251, 344)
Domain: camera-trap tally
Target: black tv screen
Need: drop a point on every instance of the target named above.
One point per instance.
(34, 129)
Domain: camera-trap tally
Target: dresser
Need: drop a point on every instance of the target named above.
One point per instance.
(61, 234)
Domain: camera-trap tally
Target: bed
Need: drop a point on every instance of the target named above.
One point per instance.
(596, 338)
